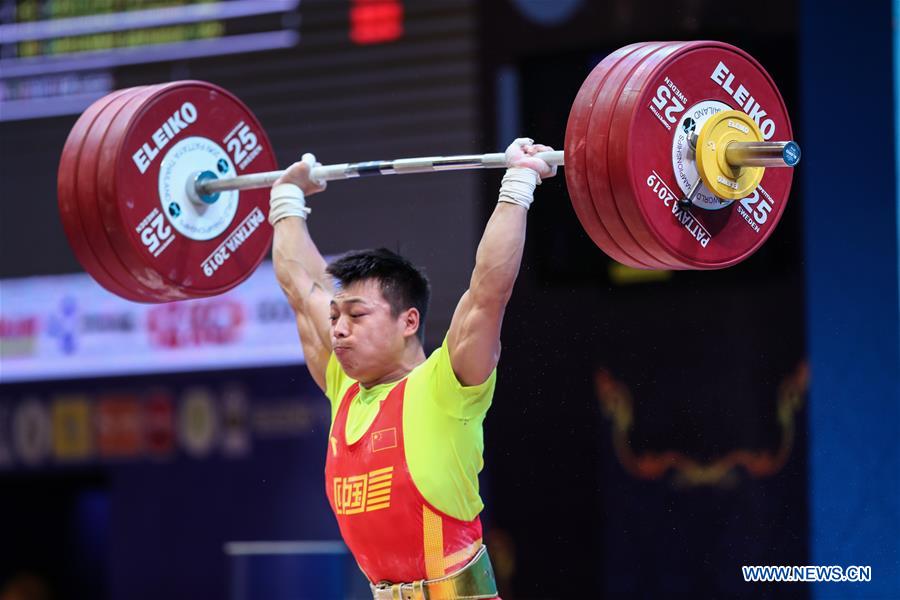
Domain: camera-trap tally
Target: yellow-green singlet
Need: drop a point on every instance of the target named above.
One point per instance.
(442, 428)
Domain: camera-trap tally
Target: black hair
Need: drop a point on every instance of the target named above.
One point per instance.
(402, 284)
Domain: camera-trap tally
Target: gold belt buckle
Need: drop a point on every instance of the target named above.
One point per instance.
(474, 581)
(399, 591)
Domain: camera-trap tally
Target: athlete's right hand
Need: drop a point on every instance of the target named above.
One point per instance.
(521, 153)
(298, 174)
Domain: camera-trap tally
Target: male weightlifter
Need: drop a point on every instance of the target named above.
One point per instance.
(406, 444)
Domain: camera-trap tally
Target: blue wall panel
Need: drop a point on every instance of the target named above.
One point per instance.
(849, 191)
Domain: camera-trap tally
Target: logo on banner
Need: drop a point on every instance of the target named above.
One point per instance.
(63, 325)
(31, 432)
(274, 310)
(119, 427)
(235, 422)
(72, 428)
(159, 424)
(209, 322)
(197, 422)
(17, 336)
(108, 322)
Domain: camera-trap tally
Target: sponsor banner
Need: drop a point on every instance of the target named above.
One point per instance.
(67, 326)
(156, 423)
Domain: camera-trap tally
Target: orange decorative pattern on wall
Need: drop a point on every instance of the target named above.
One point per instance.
(618, 404)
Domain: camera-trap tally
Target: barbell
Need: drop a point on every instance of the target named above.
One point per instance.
(668, 154)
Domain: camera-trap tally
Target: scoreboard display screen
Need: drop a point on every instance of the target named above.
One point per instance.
(57, 55)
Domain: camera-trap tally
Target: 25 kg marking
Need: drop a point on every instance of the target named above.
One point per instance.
(759, 212)
(155, 233)
(663, 97)
(242, 145)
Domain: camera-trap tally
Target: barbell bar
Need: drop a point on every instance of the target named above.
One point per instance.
(738, 154)
(175, 206)
(401, 166)
(763, 154)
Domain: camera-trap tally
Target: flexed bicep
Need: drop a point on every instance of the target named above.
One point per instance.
(473, 339)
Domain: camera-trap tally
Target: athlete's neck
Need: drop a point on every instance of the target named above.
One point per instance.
(413, 356)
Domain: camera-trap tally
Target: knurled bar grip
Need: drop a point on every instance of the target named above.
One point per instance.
(402, 166)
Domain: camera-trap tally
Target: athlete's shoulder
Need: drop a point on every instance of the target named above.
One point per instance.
(434, 360)
(435, 379)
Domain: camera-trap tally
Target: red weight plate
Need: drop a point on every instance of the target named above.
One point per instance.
(600, 168)
(69, 174)
(66, 184)
(93, 201)
(664, 101)
(575, 142)
(619, 114)
(637, 231)
(91, 168)
(171, 245)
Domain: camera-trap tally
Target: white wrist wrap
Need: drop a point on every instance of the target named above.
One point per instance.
(518, 185)
(287, 200)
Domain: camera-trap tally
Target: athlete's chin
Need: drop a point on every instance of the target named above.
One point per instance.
(348, 364)
(344, 361)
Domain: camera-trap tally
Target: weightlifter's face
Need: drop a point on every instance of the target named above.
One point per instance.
(367, 339)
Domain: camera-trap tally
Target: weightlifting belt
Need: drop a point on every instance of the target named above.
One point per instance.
(475, 581)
